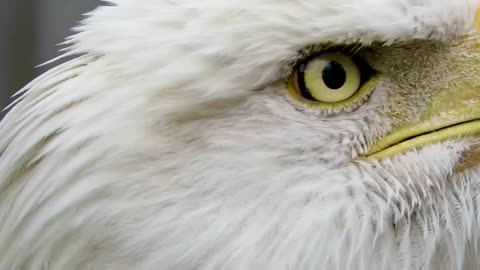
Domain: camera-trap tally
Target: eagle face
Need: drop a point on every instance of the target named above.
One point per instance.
(250, 135)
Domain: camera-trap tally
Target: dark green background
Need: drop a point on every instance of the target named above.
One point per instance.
(29, 33)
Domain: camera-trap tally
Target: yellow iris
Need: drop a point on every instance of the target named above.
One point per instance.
(332, 77)
(331, 82)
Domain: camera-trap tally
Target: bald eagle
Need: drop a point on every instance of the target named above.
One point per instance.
(252, 134)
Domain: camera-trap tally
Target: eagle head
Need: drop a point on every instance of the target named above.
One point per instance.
(247, 134)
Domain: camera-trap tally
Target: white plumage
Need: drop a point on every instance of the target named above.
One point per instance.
(171, 144)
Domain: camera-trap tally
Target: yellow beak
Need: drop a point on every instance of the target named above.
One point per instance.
(451, 113)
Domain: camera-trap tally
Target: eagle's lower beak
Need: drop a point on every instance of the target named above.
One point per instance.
(452, 113)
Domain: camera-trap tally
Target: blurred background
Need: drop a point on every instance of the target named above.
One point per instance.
(29, 33)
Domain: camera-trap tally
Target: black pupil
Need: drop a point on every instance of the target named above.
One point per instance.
(333, 74)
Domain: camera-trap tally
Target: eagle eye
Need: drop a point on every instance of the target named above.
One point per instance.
(329, 77)
(331, 81)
